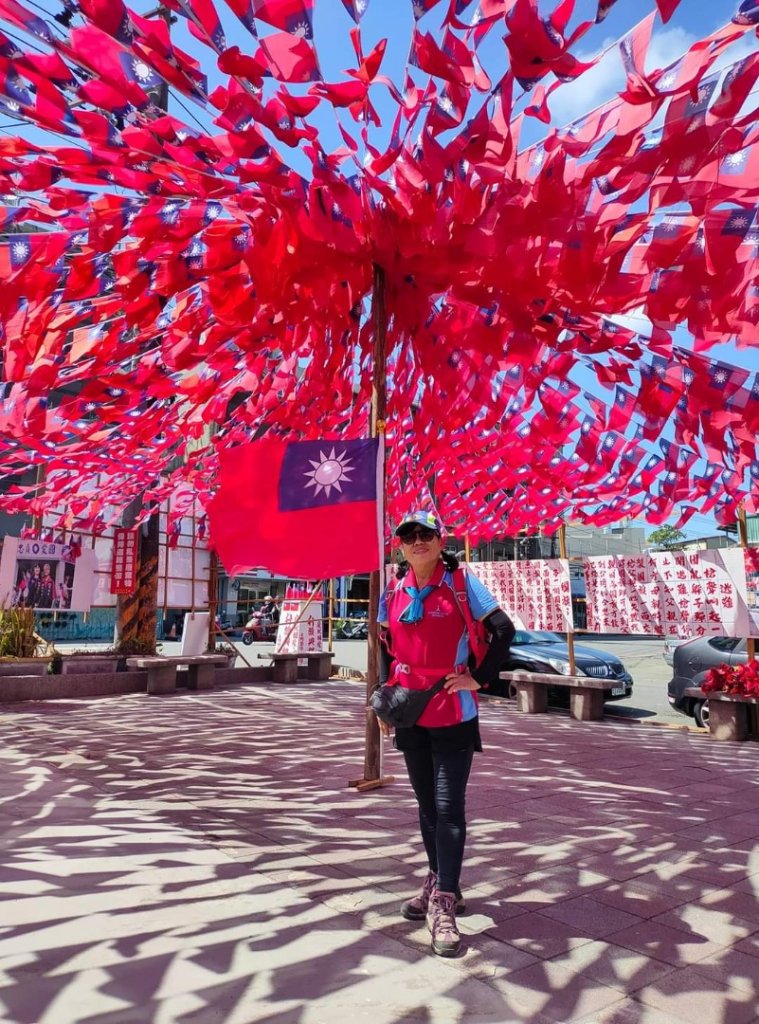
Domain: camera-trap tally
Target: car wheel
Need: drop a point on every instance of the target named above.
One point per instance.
(511, 690)
(701, 713)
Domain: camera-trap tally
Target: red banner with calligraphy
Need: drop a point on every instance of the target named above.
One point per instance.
(124, 563)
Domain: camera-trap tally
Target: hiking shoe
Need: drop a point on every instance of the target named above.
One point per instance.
(415, 909)
(441, 921)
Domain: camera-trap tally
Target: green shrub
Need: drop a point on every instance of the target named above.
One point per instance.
(134, 646)
(18, 637)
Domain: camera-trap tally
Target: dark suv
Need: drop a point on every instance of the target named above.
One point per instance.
(690, 663)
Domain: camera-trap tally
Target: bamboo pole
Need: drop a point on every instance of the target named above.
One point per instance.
(570, 636)
(331, 618)
(372, 740)
(467, 549)
(743, 540)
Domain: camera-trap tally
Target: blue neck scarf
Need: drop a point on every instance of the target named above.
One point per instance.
(415, 611)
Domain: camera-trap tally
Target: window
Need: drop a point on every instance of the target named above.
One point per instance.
(724, 643)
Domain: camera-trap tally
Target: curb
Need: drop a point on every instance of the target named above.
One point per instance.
(347, 672)
(672, 726)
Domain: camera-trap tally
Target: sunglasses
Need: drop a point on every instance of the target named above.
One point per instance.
(422, 532)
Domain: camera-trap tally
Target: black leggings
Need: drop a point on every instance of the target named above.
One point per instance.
(439, 783)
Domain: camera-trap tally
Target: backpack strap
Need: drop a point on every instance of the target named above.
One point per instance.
(384, 634)
(475, 629)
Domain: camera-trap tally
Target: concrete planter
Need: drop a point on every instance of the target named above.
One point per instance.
(24, 667)
(88, 684)
(88, 664)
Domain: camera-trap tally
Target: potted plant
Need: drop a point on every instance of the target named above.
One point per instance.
(733, 680)
(229, 650)
(87, 662)
(23, 652)
(131, 647)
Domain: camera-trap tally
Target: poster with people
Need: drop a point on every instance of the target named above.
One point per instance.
(46, 575)
(700, 593)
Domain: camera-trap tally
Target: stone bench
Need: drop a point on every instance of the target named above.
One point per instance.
(285, 666)
(586, 695)
(162, 671)
(728, 713)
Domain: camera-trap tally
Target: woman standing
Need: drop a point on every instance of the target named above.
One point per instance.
(428, 614)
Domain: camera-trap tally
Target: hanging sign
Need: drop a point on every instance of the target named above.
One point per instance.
(700, 593)
(535, 594)
(124, 562)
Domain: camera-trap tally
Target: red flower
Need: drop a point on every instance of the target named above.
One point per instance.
(720, 679)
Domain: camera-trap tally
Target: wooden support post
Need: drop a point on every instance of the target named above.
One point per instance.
(743, 539)
(570, 636)
(331, 617)
(213, 586)
(147, 586)
(373, 777)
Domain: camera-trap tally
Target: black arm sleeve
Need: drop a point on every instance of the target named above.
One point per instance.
(501, 630)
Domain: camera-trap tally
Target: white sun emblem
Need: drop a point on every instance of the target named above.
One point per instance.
(446, 105)
(142, 71)
(302, 30)
(329, 472)
(20, 250)
(736, 159)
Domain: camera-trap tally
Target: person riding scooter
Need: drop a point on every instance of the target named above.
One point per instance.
(262, 623)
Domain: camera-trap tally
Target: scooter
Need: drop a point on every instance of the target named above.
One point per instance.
(258, 627)
(354, 631)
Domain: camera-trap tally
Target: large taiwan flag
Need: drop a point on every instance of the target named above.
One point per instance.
(302, 509)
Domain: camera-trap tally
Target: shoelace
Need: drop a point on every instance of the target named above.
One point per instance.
(443, 916)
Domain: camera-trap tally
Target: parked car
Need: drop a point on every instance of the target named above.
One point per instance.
(540, 651)
(671, 643)
(692, 660)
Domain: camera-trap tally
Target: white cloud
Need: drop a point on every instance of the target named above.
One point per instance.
(605, 79)
(667, 46)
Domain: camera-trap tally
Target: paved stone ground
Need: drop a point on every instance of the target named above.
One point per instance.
(199, 859)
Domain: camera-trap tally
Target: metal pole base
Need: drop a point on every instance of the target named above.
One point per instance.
(363, 785)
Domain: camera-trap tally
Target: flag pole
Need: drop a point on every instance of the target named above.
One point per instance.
(570, 636)
(743, 541)
(373, 777)
(753, 710)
